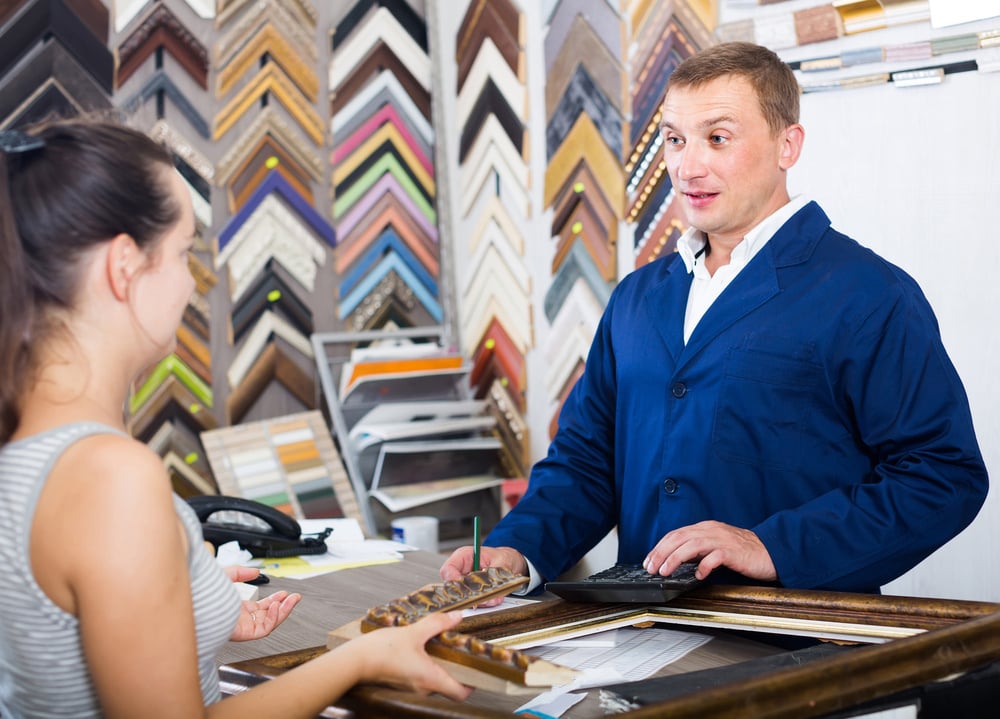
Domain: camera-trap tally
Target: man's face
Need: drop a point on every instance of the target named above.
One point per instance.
(726, 165)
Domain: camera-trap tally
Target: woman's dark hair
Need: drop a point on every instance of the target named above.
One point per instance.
(65, 187)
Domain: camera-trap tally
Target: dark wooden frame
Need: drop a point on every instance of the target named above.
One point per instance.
(953, 636)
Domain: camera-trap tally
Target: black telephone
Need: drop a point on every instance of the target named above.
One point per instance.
(261, 530)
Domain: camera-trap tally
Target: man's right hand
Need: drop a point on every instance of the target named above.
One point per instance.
(460, 563)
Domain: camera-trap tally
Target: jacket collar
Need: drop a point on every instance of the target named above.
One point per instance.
(792, 244)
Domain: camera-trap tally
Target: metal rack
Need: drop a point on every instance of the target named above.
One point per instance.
(332, 351)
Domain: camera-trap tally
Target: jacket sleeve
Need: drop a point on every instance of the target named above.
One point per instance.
(928, 481)
(570, 503)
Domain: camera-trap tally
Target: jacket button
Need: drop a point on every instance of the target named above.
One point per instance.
(670, 485)
(679, 390)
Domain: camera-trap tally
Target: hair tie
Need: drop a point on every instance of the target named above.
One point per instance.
(15, 142)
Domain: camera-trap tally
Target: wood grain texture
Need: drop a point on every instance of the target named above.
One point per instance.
(971, 638)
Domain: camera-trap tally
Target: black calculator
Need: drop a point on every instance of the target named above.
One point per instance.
(627, 583)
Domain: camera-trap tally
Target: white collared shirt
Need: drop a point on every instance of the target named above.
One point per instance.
(706, 288)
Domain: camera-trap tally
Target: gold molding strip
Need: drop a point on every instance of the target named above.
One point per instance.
(271, 80)
(200, 350)
(270, 43)
(204, 278)
(584, 141)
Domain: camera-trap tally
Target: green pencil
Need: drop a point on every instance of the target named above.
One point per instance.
(475, 546)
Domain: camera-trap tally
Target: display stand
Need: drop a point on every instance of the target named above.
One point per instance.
(384, 414)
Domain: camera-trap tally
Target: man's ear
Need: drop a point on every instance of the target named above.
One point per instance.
(121, 262)
(792, 138)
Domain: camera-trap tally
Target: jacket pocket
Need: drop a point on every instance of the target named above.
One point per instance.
(771, 411)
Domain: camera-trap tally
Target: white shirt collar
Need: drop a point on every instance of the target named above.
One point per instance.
(692, 242)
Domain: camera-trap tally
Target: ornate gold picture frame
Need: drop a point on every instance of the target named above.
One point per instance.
(909, 642)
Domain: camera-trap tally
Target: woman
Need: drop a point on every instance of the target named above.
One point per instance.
(111, 605)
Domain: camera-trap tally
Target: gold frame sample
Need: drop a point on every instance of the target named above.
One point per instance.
(945, 637)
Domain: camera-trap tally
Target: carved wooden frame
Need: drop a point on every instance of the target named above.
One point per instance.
(392, 301)
(511, 427)
(161, 29)
(946, 637)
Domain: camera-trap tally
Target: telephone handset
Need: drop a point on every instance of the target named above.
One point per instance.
(261, 530)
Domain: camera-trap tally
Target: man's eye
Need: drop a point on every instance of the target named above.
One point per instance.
(717, 139)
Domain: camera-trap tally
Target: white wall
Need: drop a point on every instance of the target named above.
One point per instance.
(913, 174)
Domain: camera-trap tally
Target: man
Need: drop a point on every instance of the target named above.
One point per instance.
(773, 399)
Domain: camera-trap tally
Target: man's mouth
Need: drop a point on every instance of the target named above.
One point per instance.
(700, 199)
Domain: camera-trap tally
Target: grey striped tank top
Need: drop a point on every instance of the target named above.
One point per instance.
(42, 668)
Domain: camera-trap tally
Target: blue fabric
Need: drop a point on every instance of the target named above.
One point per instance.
(813, 404)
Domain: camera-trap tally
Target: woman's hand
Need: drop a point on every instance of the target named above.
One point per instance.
(261, 617)
(396, 656)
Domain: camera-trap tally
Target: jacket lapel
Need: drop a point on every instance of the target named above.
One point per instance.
(665, 305)
(753, 286)
(756, 284)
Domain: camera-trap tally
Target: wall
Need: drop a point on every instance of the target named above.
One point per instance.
(909, 173)
(912, 174)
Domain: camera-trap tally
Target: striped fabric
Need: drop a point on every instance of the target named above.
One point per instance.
(42, 668)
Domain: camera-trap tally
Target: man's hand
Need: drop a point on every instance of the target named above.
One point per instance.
(460, 563)
(717, 545)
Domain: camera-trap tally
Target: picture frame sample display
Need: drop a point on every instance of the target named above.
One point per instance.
(288, 462)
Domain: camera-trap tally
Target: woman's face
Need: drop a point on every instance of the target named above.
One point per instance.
(162, 289)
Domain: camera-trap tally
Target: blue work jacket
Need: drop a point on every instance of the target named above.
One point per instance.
(814, 404)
